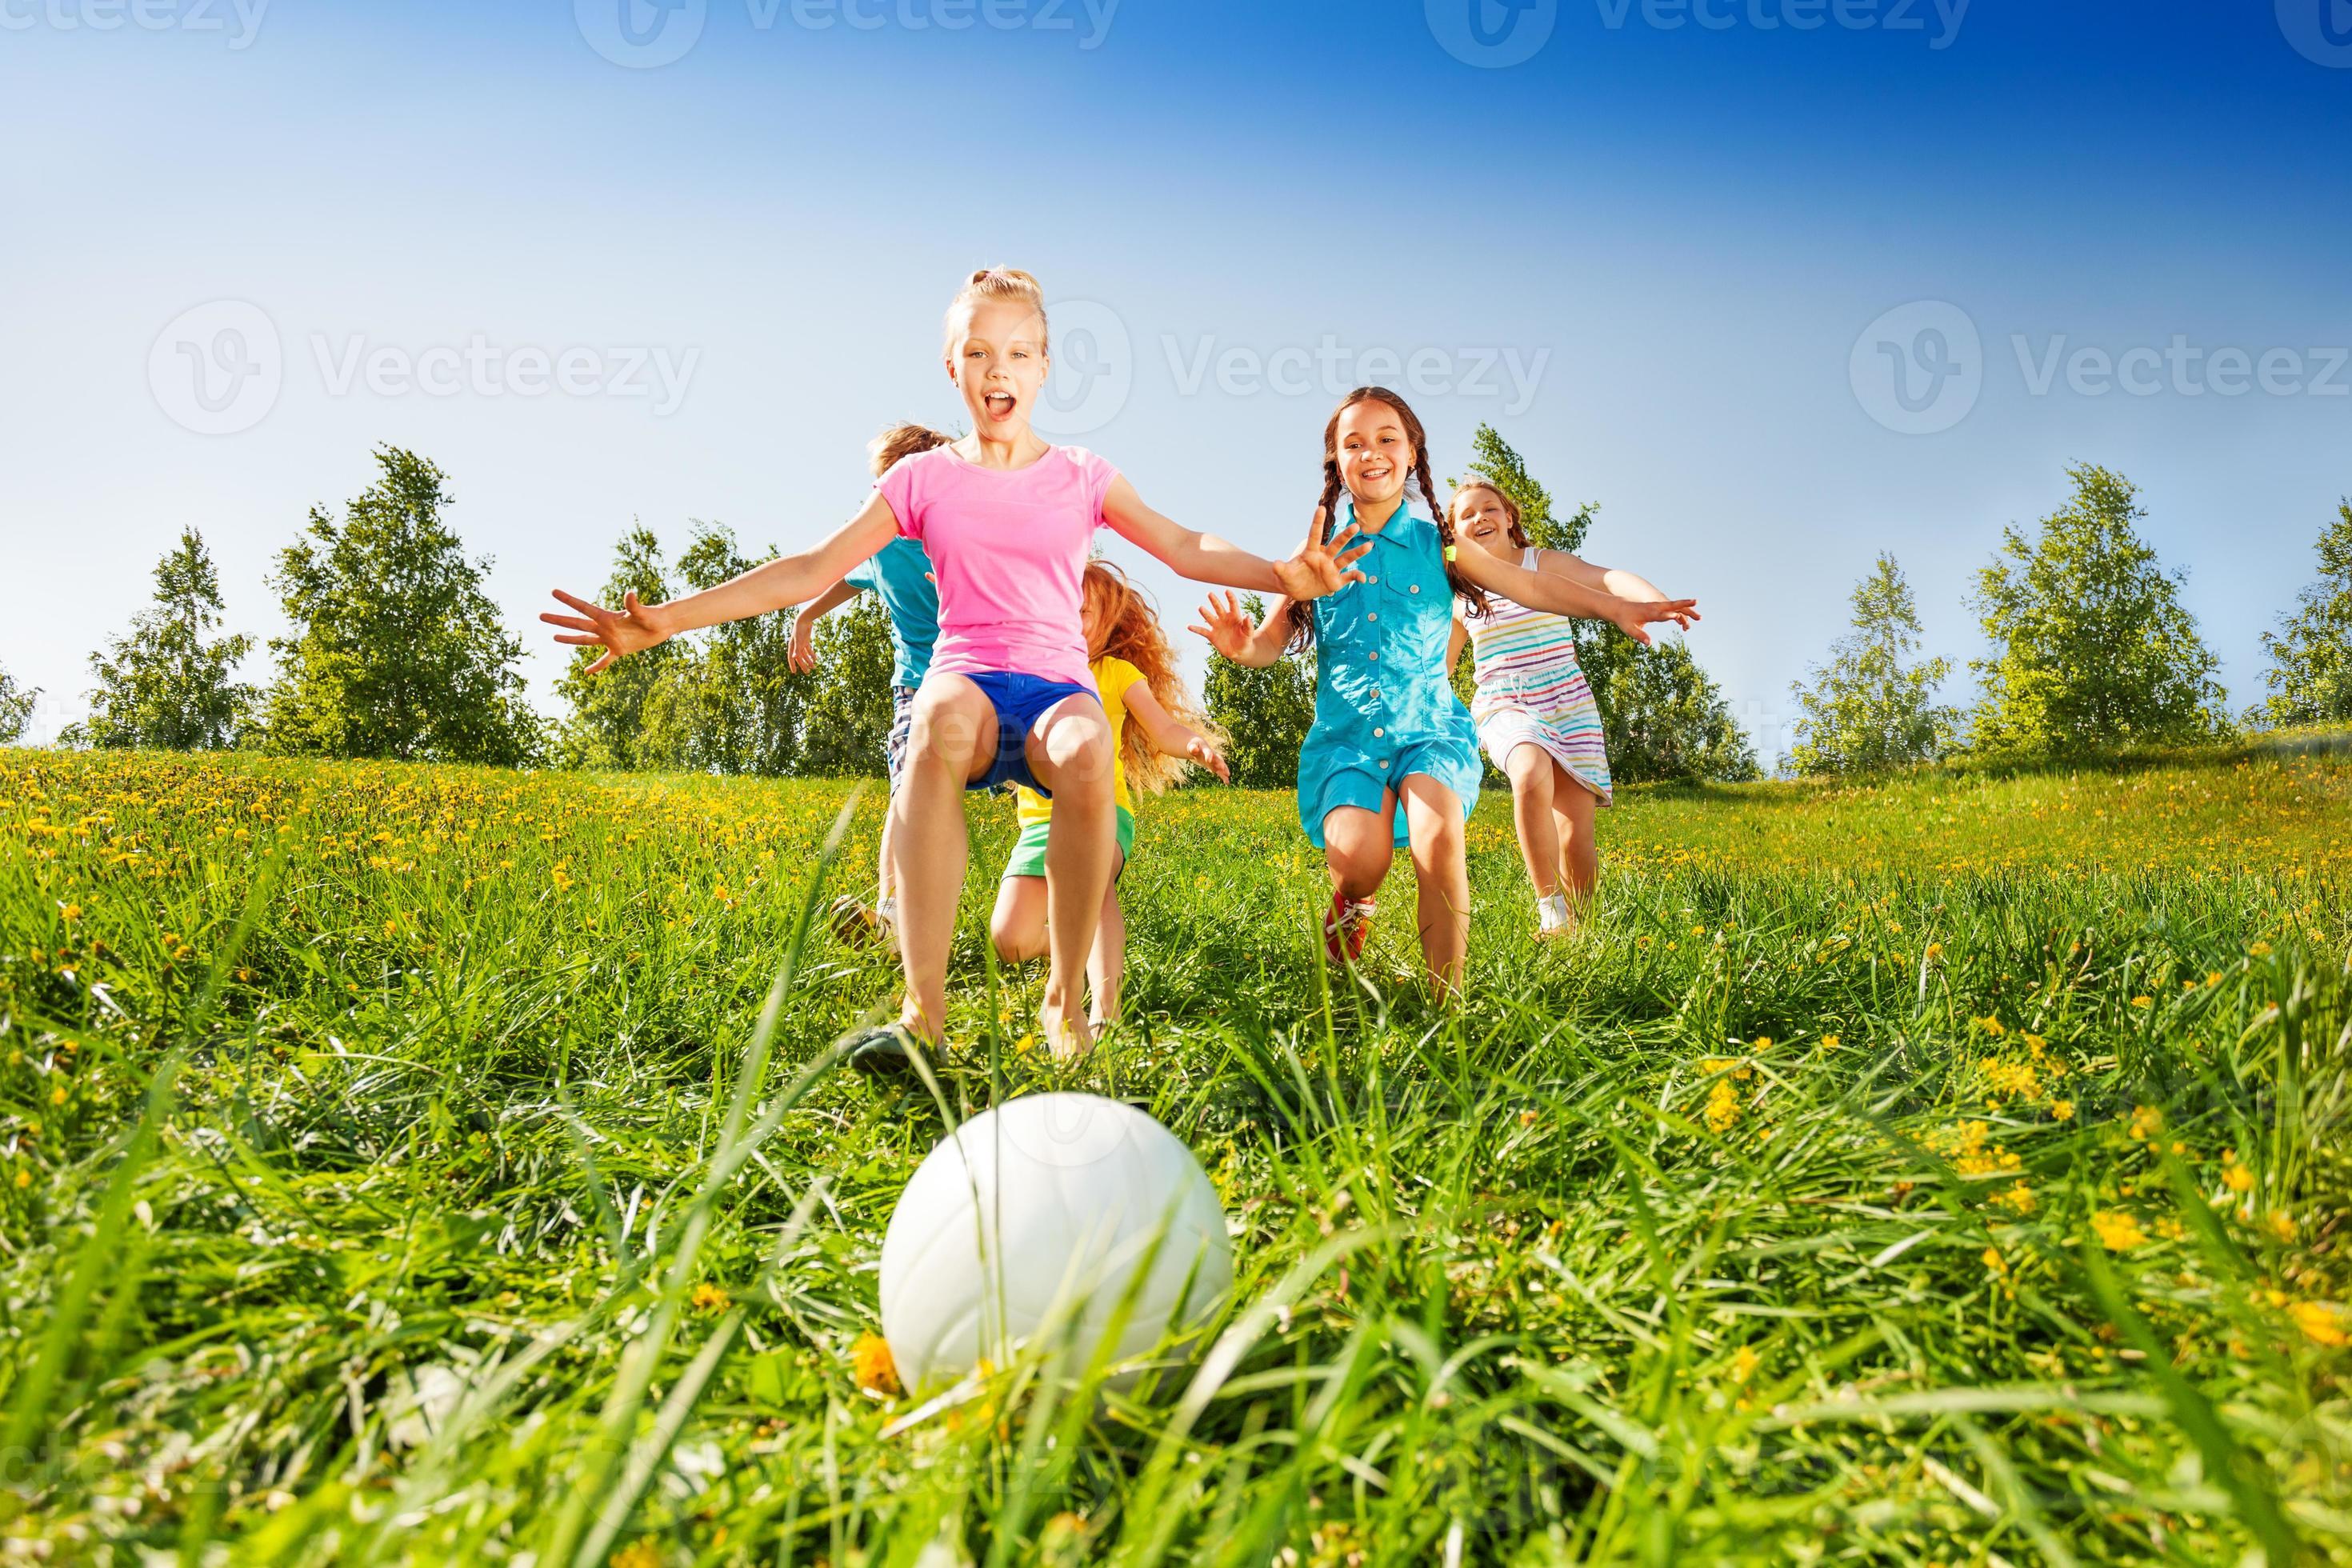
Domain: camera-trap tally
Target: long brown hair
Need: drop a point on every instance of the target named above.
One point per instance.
(1302, 614)
(1127, 627)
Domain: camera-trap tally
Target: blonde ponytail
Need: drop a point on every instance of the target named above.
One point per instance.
(1007, 283)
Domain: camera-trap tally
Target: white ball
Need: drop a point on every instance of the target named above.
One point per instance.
(1038, 1214)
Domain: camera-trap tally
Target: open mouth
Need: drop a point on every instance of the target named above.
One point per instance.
(1374, 474)
(999, 404)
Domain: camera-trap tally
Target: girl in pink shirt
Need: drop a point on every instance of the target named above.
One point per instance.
(1009, 521)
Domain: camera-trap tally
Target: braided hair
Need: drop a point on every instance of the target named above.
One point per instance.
(1302, 613)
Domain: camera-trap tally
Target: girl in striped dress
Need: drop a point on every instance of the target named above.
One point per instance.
(1534, 710)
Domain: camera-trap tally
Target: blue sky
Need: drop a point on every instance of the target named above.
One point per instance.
(1704, 236)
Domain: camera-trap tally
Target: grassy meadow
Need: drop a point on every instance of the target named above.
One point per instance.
(434, 1166)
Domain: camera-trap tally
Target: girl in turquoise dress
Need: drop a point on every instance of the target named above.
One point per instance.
(1389, 729)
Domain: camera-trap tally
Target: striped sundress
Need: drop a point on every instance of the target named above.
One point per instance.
(1532, 690)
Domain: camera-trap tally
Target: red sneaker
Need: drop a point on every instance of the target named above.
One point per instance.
(1345, 925)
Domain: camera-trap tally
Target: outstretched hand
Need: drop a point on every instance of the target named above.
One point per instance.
(1633, 615)
(1205, 751)
(802, 655)
(631, 629)
(1321, 567)
(1226, 628)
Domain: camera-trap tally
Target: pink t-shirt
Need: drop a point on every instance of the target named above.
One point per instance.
(1009, 548)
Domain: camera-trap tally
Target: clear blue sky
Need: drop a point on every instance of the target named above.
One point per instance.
(1688, 227)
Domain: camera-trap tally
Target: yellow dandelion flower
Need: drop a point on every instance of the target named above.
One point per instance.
(638, 1554)
(2281, 1224)
(2143, 1001)
(2062, 1110)
(1722, 1106)
(2118, 1232)
(1744, 1362)
(1995, 1264)
(2259, 950)
(71, 912)
(2145, 1122)
(2019, 1199)
(709, 1298)
(2214, 978)
(24, 1177)
(870, 1360)
(2322, 1323)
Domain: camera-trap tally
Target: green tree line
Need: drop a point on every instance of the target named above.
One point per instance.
(394, 649)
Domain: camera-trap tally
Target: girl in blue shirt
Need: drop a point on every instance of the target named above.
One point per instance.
(1389, 729)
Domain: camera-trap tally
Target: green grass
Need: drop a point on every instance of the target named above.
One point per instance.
(397, 1167)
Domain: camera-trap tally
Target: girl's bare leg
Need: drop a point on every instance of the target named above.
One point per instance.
(1107, 968)
(1572, 809)
(1358, 845)
(886, 881)
(1069, 751)
(1534, 796)
(954, 734)
(1441, 865)
(1018, 925)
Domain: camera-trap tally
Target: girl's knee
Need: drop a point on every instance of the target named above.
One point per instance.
(946, 719)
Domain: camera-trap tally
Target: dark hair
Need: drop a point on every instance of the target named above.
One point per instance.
(1302, 614)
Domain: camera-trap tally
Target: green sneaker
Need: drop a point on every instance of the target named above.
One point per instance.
(888, 1050)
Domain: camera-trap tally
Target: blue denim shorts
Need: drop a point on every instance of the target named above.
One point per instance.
(1020, 700)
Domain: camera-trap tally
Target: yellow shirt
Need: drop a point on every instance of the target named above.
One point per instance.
(1112, 677)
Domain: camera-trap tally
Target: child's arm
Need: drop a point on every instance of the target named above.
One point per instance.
(1170, 734)
(787, 580)
(803, 654)
(1457, 638)
(1607, 579)
(1317, 569)
(1229, 631)
(1566, 596)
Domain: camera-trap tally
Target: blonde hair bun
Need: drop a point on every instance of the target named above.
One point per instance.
(1005, 283)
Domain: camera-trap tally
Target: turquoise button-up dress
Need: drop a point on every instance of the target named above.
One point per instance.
(1383, 707)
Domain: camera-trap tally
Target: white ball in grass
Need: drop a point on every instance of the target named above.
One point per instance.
(1039, 1215)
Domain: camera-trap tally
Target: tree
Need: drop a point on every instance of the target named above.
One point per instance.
(734, 704)
(1265, 712)
(396, 649)
(15, 707)
(2310, 676)
(1661, 717)
(1871, 707)
(166, 686)
(2092, 649)
(849, 711)
(606, 726)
